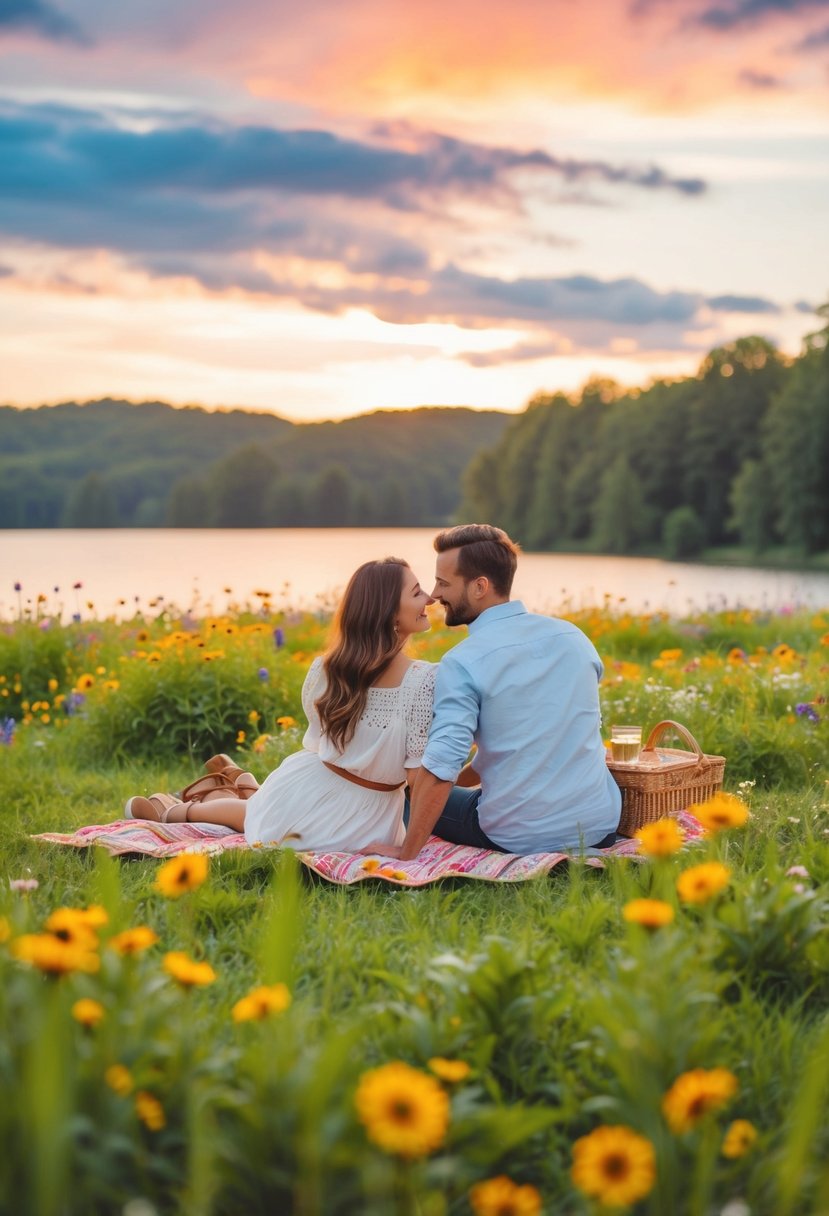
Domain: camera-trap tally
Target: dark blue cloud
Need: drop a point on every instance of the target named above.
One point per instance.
(727, 14)
(746, 304)
(41, 18)
(815, 41)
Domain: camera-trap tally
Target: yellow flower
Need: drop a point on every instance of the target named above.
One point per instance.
(5, 929)
(133, 941)
(76, 925)
(721, 811)
(502, 1197)
(149, 1111)
(119, 1079)
(739, 1138)
(650, 913)
(670, 656)
(254, 716)
(88, 1012)
(54, 955)
(182, 873)
(404, 1111)
(615, 1165)
(240, 736)
(694, 1094)
(52, 685)
(449, 1070)
(260, 1003)
(84, 682)
(286, 721)
(661, 839)
(370, 865)
(261, 742)
(701, 883)
(186, 971)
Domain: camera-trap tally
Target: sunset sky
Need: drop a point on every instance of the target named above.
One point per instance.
(344, 205)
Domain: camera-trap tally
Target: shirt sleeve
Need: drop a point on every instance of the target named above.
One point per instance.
(454, 722)
(419, 717)
(311, 689)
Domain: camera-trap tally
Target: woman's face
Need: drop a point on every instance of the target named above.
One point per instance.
(411, 612)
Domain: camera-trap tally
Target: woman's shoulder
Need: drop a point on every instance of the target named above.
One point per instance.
(420, 673)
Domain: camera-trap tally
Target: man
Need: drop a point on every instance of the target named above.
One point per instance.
(524, 689)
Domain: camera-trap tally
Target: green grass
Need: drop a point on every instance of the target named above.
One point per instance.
(568, 1017)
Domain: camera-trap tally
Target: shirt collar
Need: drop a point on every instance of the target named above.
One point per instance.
(498, 612)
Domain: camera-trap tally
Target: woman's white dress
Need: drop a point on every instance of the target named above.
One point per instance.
(305, 806)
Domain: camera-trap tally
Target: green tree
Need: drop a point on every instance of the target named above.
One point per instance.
(796, 447)
(239, 487)
(330, 499)
(187, 504)
(683, 534)
(752, 505)
(92, 505)
(619, 514)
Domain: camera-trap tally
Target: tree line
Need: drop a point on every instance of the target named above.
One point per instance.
(738, 454)
(114, 464)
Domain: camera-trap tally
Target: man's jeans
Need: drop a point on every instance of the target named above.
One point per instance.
(459, 821)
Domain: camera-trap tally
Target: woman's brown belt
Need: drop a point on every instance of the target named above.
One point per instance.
(366, 784)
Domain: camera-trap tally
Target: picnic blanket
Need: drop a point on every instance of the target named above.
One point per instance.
(438, 858)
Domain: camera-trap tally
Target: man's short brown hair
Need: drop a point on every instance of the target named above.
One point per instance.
(483, 550)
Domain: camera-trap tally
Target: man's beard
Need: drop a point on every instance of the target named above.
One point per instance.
(460, 613)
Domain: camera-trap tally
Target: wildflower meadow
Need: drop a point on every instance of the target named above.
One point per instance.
(228, 1034)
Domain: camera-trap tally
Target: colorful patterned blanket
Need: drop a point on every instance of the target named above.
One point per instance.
(438, 859)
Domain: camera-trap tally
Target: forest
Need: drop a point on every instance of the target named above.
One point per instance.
(111, 463)
(736, 455)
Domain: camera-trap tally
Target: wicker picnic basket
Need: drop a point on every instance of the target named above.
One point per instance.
(665, 780)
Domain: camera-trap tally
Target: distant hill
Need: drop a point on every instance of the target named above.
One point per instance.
(111, 463)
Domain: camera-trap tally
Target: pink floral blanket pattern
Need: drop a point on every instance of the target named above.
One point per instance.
(438, 859)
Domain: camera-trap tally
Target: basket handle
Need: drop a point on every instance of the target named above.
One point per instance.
(662, 728)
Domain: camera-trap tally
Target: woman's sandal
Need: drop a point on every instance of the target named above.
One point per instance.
(244, 783)
(216, 784)
(159, 808)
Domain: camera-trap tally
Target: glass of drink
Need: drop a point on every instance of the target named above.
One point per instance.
(625, 743)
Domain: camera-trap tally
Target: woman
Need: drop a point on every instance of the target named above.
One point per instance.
(369, 708)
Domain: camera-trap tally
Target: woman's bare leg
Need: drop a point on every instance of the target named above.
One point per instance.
(230, 812)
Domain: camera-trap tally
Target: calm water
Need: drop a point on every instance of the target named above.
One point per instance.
(306, 568)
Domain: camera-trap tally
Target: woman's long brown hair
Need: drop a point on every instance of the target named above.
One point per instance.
(363, 645)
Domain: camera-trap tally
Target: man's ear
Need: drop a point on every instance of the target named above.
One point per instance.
(480, 587)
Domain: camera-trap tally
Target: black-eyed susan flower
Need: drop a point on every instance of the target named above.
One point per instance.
(182, 873)
(614, 1165)
(286, 721)
(88, 1012)
(649, 913)
(403, 1110)
(449, 1070)
(261, 1003)
(134, 941)
(660, 839)
(694, 1094)
(119, 1079)
(700, 883)
(186, 971)
(502, 1197)
(739, 1138)
(150, 1111)
(53, 955)
(75, 926)
(721, 812)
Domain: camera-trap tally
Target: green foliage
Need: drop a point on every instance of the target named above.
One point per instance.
(111, 462)
(682, 534)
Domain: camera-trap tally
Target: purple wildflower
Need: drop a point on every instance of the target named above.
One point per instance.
(805, 709)
(73, 702)
(18, 586)
(263, 674)
(7, 730)
(278, 638)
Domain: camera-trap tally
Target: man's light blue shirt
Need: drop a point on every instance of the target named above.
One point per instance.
(525, 689)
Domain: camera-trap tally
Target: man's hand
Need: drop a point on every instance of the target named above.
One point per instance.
(379, 849)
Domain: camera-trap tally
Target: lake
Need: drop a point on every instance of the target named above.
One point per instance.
(208, 569)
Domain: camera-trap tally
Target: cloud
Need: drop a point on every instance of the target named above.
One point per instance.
(728, 14)
(815, 41)
(43, 19)
(744, 304)
(760, 80)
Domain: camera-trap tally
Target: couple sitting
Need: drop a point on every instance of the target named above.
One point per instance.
(523, 688)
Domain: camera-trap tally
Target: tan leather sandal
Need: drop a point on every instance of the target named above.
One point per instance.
(221, 765)
(215, 784)
(158, 808)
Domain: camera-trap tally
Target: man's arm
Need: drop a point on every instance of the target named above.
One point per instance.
(427, 801)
